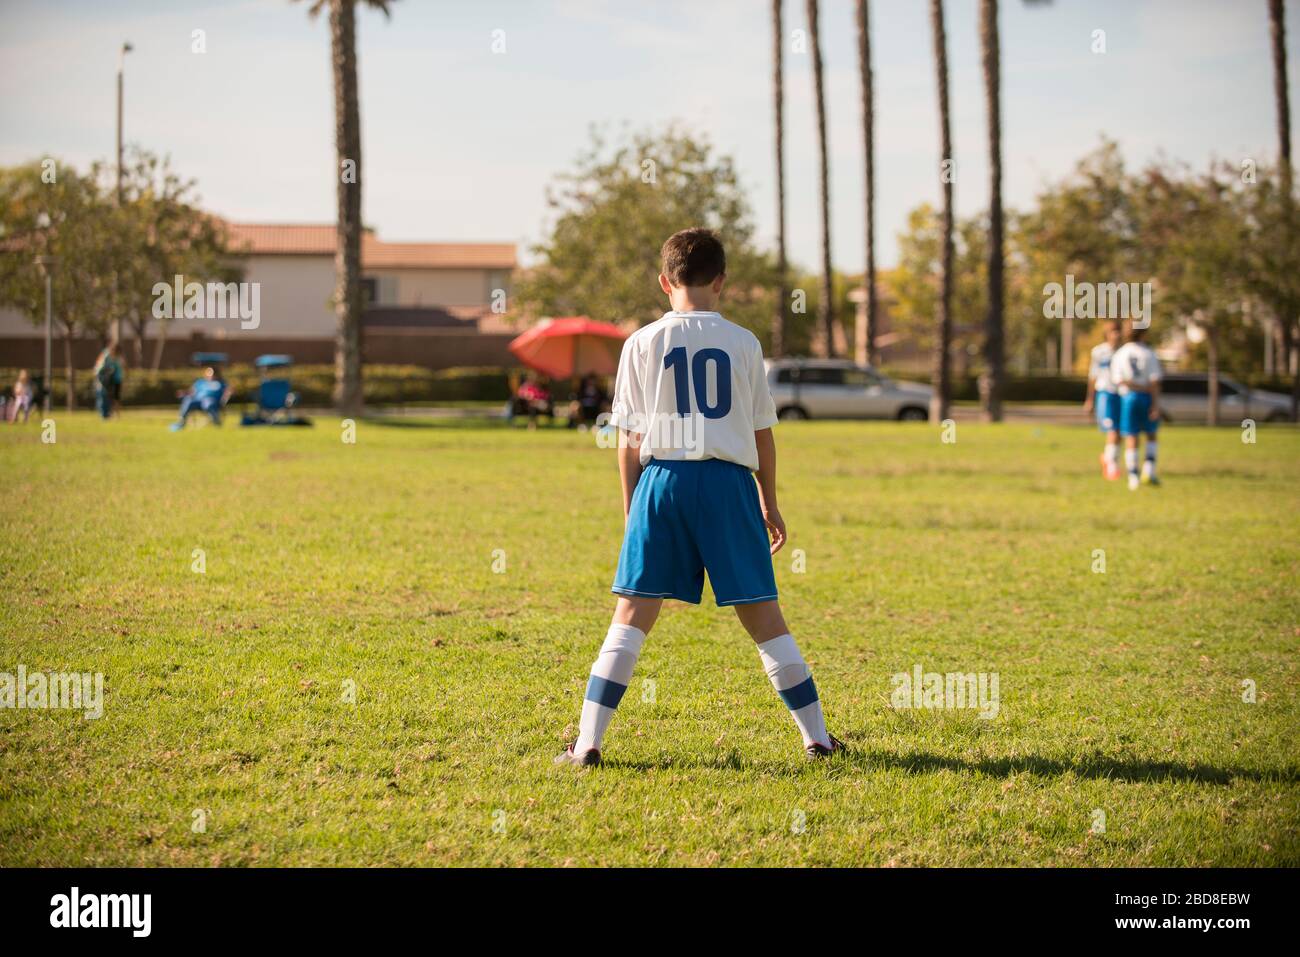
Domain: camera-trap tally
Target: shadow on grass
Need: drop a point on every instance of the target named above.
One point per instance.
(1113, 769)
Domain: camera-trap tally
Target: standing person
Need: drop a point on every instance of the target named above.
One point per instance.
(692, 403)
(22, 397)
(108, 381)
(1136, 372)
(1104, 399)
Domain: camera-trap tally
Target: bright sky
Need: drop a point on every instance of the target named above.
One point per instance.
(460, 142)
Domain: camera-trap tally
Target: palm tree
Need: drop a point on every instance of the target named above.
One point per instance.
(1277, 30)
(992, 381)
(825, 307)
(943, 334)
(778, 96)
(348, 229)
(865, 346)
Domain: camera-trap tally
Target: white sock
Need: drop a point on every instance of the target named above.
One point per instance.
(610, 675)
(793, 682)
(1151, 457)
(1112, 455)
(1131, 460)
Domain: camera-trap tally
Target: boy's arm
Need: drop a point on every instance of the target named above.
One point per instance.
(766, 476)
(629, 467)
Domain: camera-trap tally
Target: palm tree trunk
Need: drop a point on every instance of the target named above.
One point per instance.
(825, 307)
(778, 95)
(1277, 32)
(347, 250)
(1212, 352)
(991, 382)
(865, 348)
(941, 375)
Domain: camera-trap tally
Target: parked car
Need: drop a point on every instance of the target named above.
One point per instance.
(1185, 397)
(839, 389)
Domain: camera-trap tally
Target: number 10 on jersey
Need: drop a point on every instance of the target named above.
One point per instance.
(698, 376)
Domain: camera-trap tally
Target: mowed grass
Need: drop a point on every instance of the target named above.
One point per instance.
(328, 564)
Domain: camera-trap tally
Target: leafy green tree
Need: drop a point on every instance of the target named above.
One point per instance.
(47, 209)
(612, 215)
(110, 255)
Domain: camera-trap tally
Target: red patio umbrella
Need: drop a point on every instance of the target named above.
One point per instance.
(570, 346)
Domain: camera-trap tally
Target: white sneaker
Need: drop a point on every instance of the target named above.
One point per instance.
(1133, 481)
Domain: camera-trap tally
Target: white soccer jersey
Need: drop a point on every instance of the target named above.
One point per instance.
(694, 385)
(1134, 364)
(1099, 368)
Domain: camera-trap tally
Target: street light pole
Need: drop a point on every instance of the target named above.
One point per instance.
(121, 71)
(46, 265)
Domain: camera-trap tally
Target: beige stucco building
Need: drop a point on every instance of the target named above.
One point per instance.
(433, 304)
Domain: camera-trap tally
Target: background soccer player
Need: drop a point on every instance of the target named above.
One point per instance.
(692, 399)
(1136, 372)
(1104, 399)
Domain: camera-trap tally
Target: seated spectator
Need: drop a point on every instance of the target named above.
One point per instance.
(587, 402)
(207, 394)
(532, 399)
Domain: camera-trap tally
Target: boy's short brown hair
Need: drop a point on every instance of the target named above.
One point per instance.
(693, 257)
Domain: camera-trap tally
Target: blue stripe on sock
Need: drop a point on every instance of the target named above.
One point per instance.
(606, 692)
(800, 696)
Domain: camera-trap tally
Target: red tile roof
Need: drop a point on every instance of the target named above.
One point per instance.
(318, 240)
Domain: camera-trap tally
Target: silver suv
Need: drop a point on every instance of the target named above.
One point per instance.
(1185, 397)
(839, 389)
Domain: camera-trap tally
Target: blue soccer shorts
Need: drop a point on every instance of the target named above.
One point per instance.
(689, 517)
(1106, 405)
(1135, 415)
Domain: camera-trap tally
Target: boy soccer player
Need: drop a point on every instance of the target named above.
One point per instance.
(1136, 372)
(691, 400)
(1103, 397)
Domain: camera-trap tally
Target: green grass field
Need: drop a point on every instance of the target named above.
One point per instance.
(369, 567)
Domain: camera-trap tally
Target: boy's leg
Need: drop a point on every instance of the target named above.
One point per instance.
(612, 670)
(1149, 466)
(1131, 459)
(786, 669)
(1111, 454)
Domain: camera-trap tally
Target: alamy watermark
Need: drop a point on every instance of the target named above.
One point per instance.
(215, 300)
(931, 689)
(1091, 300)
(70, 691)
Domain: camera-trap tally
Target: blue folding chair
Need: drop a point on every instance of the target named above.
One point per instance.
(275, 396)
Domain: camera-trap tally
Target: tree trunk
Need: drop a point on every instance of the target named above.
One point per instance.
(941, 375)
(778, 96)
(992, 381)
(1277, 33)
(159, 344)
(71, 397)
(825, 307)
(865, 349)
(347, 249)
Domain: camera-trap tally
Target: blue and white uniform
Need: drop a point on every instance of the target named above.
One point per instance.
(695, 387)
(1105, 398)
(1133, 369)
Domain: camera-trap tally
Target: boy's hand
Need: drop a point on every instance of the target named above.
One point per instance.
(775, 527)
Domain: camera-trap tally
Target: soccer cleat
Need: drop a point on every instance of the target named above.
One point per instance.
(1133, 481)
(815, 751)
(1151, 479)
(1112, 473)
(588, 759)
